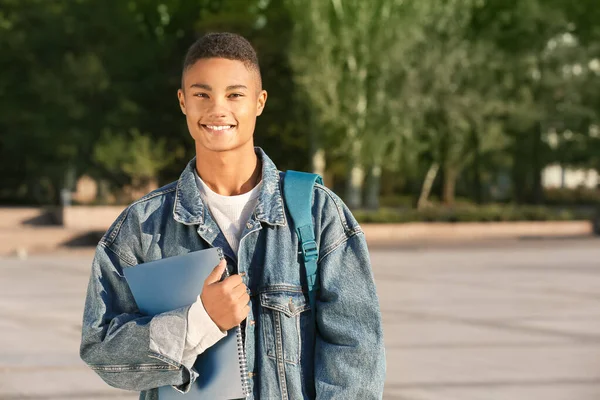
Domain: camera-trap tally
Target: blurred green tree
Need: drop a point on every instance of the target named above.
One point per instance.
(439, 98)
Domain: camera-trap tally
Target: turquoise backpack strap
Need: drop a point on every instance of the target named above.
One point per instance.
(298, 195)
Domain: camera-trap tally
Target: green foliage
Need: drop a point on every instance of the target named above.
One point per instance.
(576, 197)
(489, 213)
(73, 70)
(395, 201)
(487, 90)
(135, 155)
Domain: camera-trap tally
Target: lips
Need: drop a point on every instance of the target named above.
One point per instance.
(218, 128)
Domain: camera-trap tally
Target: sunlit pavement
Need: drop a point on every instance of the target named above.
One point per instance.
(503, 321)
(511, 320)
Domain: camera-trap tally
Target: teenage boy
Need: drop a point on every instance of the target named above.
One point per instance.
(230, 196)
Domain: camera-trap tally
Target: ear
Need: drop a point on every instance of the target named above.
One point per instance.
(181, 98)
(262, 99)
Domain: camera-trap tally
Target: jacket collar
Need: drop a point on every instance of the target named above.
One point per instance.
(189, 209)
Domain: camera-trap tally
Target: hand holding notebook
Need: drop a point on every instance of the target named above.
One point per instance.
(225, 301)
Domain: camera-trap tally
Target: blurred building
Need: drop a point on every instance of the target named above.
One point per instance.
(556, 176)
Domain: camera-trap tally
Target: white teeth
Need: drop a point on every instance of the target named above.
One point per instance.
(219, 127)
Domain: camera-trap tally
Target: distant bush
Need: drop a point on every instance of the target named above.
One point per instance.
(397, 201)
(488, 213)
(579, 196)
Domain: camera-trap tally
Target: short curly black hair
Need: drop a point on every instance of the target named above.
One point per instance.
(222, 45)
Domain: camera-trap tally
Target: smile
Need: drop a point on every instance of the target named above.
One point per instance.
(219, 127)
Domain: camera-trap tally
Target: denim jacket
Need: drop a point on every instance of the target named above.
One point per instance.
(341, 356)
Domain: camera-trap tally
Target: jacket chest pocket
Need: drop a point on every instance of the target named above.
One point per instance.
(284, 317)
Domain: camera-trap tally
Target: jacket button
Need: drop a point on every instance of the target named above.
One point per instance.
(249, 225)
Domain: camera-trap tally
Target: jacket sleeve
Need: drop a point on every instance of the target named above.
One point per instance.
(127, 349)
(349, 353)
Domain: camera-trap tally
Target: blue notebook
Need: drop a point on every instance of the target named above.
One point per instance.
(174, 282)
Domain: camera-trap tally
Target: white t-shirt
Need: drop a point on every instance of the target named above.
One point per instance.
(231, 214)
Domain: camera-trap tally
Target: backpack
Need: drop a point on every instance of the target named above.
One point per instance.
(298, 196)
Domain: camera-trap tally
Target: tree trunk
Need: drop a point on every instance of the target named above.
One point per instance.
(520, 156)
(450, 176)
(317, 152)
(477, 185)
(373, 187)
(427, 185)
(356, 174)
(318, 161)
(536, 163)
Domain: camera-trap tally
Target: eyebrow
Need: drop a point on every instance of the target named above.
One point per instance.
(209, 88)
(201, 86)
(234, 87)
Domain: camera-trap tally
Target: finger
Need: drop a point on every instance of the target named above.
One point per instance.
(232, 281)
(217, 272)
(245, 311)
(242, 314)
(244, 299)
(238, 291)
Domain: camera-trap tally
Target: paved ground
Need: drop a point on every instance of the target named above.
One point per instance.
(515, 320)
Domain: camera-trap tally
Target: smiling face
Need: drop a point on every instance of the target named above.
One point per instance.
(221, 99)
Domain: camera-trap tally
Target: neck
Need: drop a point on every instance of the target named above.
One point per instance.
(229, 173)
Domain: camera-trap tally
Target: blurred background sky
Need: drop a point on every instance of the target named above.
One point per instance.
(399, 104)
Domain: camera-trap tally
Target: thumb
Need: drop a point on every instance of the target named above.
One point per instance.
(215, 275)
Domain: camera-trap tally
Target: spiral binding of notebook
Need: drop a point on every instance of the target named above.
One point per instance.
(243, 362)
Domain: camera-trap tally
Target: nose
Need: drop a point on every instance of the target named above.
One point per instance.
(218, 108)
